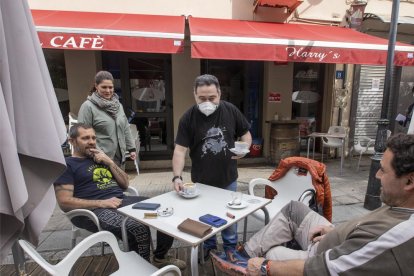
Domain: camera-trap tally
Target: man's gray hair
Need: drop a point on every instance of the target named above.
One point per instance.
(74, 130)
(206, 80)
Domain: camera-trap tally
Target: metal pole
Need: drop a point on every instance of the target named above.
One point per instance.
(372, 196)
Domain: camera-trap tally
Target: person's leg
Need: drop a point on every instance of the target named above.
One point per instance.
(138, 234)
(164, 243)
(229, 235)
(293, 222)
(161, 259)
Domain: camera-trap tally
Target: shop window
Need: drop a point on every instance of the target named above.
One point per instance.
(55, 61)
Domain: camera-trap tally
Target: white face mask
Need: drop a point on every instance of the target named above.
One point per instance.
(207, 108)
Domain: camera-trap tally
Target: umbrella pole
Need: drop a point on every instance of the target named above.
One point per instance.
(18, 258)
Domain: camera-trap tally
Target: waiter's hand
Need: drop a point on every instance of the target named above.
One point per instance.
(178, 185)
(238, 156)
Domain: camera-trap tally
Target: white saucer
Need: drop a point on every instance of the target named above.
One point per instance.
(237, 152)
(240, 206)
(197, 193)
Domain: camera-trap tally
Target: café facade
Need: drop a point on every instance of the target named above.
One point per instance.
(269, 65)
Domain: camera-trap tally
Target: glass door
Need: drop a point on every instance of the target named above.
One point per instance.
(146, 78)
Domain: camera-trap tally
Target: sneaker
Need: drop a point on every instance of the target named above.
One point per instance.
(235, 257)
(240, 249)
(168, 260)
(221, 263)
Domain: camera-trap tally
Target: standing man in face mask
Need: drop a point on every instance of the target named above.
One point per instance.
(209, 129)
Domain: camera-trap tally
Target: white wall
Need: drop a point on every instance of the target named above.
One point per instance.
(199, 8)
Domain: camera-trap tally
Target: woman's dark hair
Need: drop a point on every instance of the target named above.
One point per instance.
(206, 80)
(402, 146)
(74, 129)
(100, 77)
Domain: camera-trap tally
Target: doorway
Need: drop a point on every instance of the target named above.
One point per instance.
(143, 82)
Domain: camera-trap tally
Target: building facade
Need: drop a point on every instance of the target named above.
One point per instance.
(156, 49)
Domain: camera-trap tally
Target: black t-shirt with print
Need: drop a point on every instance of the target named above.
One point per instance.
(209, 139)
(90, 180)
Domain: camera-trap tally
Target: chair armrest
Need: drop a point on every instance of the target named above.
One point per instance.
(168, 268)
(86, 213)
(257, 181)
(131, 191)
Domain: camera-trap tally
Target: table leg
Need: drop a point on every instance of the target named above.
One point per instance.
(194, 260)
(307, 153)
(124, 234)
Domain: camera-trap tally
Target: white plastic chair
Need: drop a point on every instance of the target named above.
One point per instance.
(130, 263)
(363, 145)
(334, 142)
(290, 187)
(76, 232)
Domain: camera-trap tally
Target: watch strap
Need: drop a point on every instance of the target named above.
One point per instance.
(264, 268)
(176, 177)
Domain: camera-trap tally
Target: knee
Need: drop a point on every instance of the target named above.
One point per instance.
(295, 210)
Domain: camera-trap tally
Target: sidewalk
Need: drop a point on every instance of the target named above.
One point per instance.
(348, 192)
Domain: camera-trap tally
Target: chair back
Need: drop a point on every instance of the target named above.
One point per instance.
(337, 130)
(129, 262)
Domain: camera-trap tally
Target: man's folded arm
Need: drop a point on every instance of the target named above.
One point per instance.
(67, 202)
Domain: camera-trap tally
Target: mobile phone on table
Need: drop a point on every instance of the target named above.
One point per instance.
(213, 220)
(146, 206)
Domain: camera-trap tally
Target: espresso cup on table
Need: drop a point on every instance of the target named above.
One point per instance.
(189, 188)
(241, 146)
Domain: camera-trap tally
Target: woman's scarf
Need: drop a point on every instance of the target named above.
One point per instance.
(109, 106)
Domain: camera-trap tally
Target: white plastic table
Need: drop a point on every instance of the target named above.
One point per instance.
(211, 200)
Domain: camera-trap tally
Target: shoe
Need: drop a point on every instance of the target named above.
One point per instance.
(235, 257)
(168, 260)
(240, 249)
(221, 263)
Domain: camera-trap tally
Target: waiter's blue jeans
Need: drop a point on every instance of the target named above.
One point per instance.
(229, 235)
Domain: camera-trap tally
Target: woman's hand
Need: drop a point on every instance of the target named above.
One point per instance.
(133, 155)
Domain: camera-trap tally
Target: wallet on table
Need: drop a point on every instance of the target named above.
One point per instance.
(194, 228)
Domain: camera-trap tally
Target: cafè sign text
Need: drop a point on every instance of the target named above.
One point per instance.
(311, 53)
(62, 41)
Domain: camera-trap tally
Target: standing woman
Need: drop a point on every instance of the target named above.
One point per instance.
(103, 111)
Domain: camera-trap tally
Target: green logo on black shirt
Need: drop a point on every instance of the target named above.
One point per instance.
(103, 178)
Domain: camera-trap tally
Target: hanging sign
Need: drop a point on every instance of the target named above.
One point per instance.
(274, 97)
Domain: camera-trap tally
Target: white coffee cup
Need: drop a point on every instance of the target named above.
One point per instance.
(241, 146)
(189, 188)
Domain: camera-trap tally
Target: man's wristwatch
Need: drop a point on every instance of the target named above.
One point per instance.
(264, 268)
(175, 177)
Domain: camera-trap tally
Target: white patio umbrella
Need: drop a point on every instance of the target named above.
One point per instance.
(31, 129)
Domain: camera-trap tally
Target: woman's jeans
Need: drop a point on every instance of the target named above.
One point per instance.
(229, 235)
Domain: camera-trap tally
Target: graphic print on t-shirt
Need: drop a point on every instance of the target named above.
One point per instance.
(102, 177)
(214, 142)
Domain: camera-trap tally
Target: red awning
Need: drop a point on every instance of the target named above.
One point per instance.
(110, 31)
(248, 40)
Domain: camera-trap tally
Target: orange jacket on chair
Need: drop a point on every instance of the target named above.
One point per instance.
(320, 181)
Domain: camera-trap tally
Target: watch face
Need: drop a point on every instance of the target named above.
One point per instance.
(263, 268)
